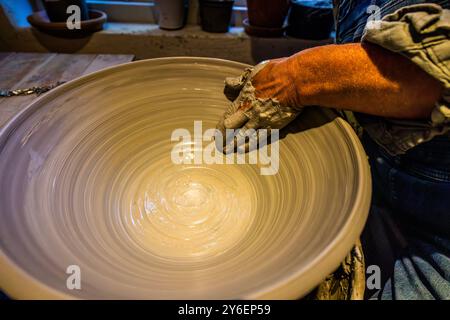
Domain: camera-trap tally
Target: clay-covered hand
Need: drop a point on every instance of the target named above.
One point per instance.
(263, 97)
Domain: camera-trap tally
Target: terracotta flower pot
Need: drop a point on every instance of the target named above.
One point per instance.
(216, 15)
(57, 9)
(267, 13)
(40, 21)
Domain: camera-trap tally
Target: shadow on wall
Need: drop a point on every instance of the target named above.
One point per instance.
(6, 26)
(3, 45)
(58, 44)
(272, 48)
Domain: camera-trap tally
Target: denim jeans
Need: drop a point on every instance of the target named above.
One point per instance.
(408, 230)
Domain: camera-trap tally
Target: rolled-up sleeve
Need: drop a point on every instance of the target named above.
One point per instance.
(422, 34)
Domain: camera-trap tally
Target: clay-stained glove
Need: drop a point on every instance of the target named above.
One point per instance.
(263, 97)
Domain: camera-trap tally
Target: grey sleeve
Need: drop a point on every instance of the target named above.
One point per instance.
(421, 33)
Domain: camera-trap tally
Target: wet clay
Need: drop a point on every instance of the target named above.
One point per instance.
(86, 179)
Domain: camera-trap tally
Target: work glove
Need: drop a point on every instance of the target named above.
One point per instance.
(263, 97)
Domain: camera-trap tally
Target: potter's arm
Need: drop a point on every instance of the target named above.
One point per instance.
(358, 77)
(368, 77)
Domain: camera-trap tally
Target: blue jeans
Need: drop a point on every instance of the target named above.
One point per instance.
(407, 232)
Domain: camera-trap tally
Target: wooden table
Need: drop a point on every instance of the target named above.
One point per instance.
(25, 70)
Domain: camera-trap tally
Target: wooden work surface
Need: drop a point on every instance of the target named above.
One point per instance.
(25, 70)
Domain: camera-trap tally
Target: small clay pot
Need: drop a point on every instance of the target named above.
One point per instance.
(311, 20)
(215, 15)
(57, 9)
(172, 14)
(40, 21)
(267, 13)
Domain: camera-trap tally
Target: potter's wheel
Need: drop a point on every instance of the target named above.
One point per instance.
(86, 179)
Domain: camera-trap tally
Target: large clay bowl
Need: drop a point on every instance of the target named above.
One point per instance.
(86, 179)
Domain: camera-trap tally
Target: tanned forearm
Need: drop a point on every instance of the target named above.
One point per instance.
(358, 77)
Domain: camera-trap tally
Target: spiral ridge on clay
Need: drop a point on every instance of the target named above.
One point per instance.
(86, 179)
